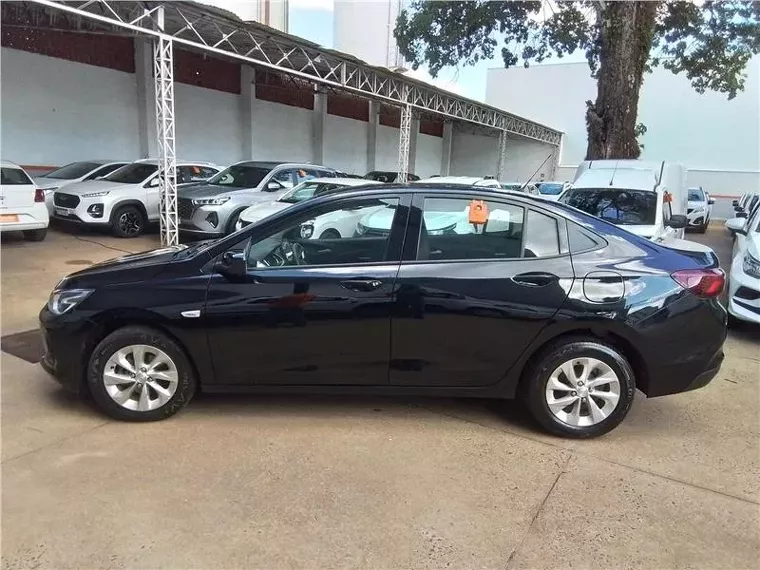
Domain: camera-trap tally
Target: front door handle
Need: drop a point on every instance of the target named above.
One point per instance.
(534, 279)
(361, 285)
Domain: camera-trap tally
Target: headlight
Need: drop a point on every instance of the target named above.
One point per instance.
(211, 201)
(95, 194)
(751, 266)
(62, 301)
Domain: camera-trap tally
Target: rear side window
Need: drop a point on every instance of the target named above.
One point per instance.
(13, 177)
(464, 229)
(542, 235)
(579, 239)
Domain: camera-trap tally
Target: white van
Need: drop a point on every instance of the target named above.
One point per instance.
(647, 198)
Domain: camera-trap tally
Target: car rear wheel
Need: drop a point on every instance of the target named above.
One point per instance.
(128, 222)
(580, 388)
(139, 374)
(35, 235)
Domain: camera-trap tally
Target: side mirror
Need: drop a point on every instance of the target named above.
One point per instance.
(736, 225)
(272, 186)
(677, 222)
(152, 183)
(738, 209)
(232, 265)
(742, 215)
(711, 201)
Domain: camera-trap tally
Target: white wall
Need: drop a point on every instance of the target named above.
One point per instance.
(526, 157)
(428, 160)
(281, 132)
(703, 132)
(387, 148)
(345, 144)
(207, 125)
(56, 111)
(365, 29)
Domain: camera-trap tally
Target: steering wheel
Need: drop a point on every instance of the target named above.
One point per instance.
(293, 252)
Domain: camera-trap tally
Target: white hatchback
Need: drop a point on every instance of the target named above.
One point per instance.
(22, 204)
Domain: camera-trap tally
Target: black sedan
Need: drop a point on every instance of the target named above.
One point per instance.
(434, 290)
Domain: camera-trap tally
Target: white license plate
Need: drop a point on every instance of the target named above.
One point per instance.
(63, 212)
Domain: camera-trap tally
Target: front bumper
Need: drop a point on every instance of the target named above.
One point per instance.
(205, 220)
(697, 218)
(743, 293)
(80, 214)
(67, 347)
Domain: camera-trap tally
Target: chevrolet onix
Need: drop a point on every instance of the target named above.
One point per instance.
(564, 310)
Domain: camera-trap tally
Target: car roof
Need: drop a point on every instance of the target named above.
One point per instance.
(467, 180)
(344, 181)
(9, 164)
(275, 163)
(179, 162)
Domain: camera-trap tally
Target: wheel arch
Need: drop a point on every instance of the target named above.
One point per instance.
(617, 336)
(110, 321)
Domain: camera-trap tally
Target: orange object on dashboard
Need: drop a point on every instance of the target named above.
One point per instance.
(667, 197)
(478, 212)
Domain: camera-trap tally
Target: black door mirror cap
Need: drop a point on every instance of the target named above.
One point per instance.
(742, 215)
(232, 265)
(677, 221)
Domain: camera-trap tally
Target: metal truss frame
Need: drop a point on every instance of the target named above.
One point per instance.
(163, 77)
(216, 31)
(404, 140)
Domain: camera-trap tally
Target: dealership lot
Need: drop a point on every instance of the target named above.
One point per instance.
(316, 482)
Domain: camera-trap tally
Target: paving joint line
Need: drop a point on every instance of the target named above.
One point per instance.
(54, 443)
(586, 454)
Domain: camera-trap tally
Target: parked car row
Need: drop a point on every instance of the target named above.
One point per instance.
(744, 280)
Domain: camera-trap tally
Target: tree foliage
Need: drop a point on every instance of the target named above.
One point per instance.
(710, 43)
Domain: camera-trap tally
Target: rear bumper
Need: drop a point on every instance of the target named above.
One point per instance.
(33, 217)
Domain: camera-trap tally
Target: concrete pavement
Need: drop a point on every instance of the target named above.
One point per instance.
(326, 482)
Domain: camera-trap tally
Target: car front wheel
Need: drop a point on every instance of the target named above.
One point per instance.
(128, 222)
(580, 388)
(139, 374)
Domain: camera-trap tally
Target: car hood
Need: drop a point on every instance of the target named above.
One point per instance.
(261, 211)
(124, 269)
(89, 186)
(211, 191)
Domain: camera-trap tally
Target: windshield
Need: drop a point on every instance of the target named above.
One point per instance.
(241, 176)
(307, 190)
(73, 170)
(621, 207)
(550, 188)
(132, 173)
(696, 195)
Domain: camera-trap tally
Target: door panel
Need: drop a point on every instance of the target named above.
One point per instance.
(460, 322)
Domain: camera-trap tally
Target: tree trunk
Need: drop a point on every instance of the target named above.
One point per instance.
(626, 33)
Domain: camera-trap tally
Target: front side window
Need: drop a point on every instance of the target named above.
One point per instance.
(132, 173)
(620, 207)
(240, 176)
(71, 171)
(338, 234)
(13, 177)
(462, 229)
(306, 174)
(284, 178)
(194, 173)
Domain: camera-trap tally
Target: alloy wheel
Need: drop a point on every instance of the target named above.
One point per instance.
(140, 377)
(583, 392)
(130, 223)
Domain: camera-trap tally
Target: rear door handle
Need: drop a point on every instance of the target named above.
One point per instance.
(361, 285)
(534, 279)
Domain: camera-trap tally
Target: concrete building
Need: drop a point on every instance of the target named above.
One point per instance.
(273, 13)
(717, 140)
(365, 29)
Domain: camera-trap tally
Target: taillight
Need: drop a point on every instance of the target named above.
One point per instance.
(39, 195)
(701, 282)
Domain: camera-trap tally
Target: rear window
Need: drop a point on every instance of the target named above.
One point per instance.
(13, 177)
(696, 195)
(73, 170)
(132, 173)
(620, 207)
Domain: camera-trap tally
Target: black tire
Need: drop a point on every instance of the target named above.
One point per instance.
(35, 235)
(330, 234)
(230, 229)
(703, 228)
(128, 222)
(554, 356)
(138, 335)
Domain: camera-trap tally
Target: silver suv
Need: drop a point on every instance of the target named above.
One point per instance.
(127, 199)
(213, 208)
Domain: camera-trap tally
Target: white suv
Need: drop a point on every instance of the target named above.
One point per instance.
(22, 204)
(127, 199)
(72, 173)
